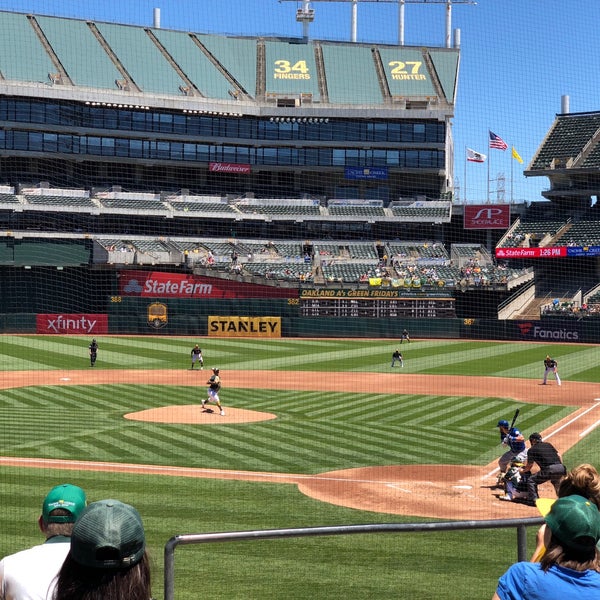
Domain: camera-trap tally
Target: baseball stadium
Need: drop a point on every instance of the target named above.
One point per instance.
(162, 188)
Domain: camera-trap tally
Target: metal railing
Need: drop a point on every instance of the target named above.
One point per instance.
(269, 534)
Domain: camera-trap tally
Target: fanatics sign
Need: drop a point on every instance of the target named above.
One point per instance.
(487, 216)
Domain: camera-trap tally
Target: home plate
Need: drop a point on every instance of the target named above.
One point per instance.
(463, 487)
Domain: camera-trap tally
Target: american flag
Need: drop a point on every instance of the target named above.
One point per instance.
(497, 142)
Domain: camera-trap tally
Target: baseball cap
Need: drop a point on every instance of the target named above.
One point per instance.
(575, 521)
(66, 496)
(535, 437)
(502, 423)
(109, 534)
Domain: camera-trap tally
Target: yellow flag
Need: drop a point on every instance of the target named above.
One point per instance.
(516, 156)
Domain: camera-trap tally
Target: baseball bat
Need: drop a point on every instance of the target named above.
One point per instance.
(514, 419)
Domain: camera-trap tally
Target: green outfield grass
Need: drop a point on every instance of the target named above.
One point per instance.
(314, 432)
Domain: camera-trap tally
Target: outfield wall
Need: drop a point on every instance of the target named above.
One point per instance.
(266, 318)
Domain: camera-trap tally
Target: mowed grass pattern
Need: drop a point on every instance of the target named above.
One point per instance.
(314, 432)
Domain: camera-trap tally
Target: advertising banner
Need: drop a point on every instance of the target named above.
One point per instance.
(225, 167)
(487, 216)
(549, 331)
(244, 326)
(548, 252)
(86, 324)
(157, 284)
(555, 252)
(366, 173)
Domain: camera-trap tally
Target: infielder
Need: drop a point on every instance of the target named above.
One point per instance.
(515, 441)
(214, 385)
(551, 366)
(397, 357)
(197, 357)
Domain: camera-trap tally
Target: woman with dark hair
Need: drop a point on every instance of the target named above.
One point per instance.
(108, 558)
(570, 567)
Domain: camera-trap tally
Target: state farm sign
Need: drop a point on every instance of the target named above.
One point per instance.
(487, 216)
(236, 168)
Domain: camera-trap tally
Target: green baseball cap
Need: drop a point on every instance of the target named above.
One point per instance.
(108, 535)
(66, 496)
(575, 521)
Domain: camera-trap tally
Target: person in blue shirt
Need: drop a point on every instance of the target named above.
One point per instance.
(517, 450)
(569, 568)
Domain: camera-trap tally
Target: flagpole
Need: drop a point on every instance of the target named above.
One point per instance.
(511, 175)
(489, 160)
(465, 177)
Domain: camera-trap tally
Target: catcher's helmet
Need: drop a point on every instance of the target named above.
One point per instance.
(215, 370)
(502, 423)
(535, 437)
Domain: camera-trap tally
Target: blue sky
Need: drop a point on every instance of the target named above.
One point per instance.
(518, 58)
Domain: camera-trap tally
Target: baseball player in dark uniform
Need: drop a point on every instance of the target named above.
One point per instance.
(551, 366)
(197, 357)
(214, 386)
(546, 456)
(93, 348)
(405, 336)
(397, 357)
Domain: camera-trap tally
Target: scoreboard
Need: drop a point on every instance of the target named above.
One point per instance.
(374, 304)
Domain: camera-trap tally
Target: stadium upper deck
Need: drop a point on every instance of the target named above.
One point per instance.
(99, 104)
(570, 157)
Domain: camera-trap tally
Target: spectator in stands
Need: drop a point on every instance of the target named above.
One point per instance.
(570, 567)
(582, 480)
(29, 574)
(108, 558)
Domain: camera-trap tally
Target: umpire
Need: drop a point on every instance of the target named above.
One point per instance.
(551, 467)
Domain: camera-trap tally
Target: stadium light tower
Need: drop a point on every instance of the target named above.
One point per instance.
(306, 14)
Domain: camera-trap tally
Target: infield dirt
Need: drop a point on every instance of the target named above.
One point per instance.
(439, 491)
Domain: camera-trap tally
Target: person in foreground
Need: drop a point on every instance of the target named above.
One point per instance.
(582, 480)
(108, 558)
(570, 567)
(29, 574)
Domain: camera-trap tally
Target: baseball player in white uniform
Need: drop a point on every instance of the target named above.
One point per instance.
(214, 385)
(30, 574)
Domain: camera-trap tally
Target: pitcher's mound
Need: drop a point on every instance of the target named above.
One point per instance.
(194, 414)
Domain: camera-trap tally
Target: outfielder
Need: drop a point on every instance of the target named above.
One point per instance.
(93, 348)
(551, 366)
(197, 357)
(214, 385)
(515, 441)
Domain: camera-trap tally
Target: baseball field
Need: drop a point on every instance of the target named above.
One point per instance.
(316, 432)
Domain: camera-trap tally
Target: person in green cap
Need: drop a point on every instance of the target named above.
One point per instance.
(570, 566)
(29, 574)
(108, 559)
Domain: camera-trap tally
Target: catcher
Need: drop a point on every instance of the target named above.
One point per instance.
(515, 482)
(214, 385)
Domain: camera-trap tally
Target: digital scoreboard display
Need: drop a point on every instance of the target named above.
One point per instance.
(373, 304)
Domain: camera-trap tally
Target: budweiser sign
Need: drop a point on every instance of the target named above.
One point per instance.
(238, 168)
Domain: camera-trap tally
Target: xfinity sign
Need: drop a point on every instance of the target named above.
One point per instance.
(487, 216)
